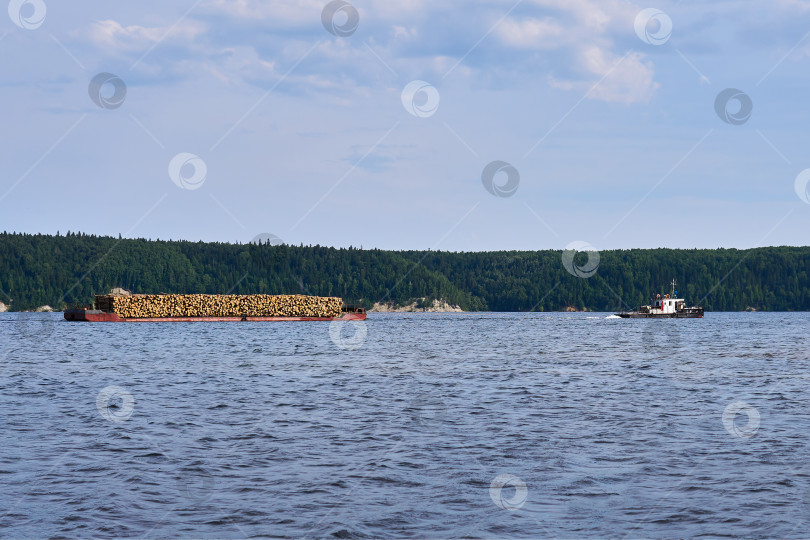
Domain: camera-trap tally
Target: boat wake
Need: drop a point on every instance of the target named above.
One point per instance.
(613, 317)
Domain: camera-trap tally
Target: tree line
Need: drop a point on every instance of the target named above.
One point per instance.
(65, 270)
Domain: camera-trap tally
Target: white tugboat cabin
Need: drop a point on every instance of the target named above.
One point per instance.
(666, 305)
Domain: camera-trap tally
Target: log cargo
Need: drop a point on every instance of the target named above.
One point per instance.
(214, 307)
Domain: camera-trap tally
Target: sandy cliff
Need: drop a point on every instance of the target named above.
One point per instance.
(438, 306)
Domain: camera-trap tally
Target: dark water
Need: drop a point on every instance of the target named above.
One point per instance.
(445, 425)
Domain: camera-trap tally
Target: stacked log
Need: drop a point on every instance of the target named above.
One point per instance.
(205, 305)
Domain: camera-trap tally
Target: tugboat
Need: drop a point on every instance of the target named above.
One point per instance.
(668, 307)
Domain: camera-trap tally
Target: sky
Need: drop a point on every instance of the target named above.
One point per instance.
(409, 124)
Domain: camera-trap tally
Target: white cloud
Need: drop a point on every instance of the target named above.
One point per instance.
(802, 5)
(282, 11)
(544, 33)
(112, 35)
(238, 63)
(398, 9)
(595, 17)
(307, 11)
(626, 80)
(576, 38)
(584, 30)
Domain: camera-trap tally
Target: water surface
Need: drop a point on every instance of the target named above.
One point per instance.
(435, 425)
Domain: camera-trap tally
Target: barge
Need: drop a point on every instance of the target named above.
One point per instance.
(668, 306)
(214, 308)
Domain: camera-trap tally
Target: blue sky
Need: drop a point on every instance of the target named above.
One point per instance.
(306, 135)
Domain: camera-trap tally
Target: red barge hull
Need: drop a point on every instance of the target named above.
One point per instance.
(91, 315)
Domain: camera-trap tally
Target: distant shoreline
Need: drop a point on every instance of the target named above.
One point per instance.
(67, 270)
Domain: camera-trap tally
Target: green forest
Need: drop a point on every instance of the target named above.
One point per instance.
(66, 270)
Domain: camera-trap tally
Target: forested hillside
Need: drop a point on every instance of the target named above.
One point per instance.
(771, 279)
(36, 270)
